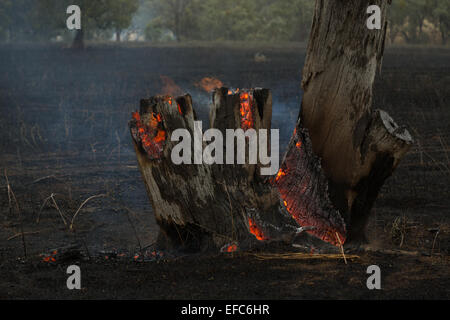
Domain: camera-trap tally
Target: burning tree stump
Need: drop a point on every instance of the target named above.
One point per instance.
(220, 206)
(359, 147)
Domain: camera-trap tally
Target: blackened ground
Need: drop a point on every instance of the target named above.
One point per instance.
(64, 131)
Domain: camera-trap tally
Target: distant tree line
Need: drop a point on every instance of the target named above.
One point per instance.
(22, 20)
(410, 21)
(413, 21)
(418, 21)
(216, 20)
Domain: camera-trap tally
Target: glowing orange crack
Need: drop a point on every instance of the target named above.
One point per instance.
(255, 230)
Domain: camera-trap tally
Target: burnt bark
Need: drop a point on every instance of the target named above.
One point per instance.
(359, 147)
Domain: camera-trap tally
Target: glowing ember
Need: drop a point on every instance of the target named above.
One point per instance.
(149, 133)
(50, 257)
(247, 120)
(280, 174)
(231, 248)
(255, 230)
(209, 84)
(301, 198)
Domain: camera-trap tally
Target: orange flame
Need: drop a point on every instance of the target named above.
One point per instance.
(209, 84)
(280, 174)
(170, 87)
(150, 134)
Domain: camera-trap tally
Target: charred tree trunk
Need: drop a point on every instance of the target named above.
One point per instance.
(204, 206)
(78, 42)
(359, 147)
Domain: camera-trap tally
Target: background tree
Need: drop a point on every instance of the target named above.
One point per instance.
(120, 14)
(5, 7)
(418, 11)
(171, 15)
(417, 21)
(440, 16)
(253, 20)
(359, 146)
(17, 18)
(397, 18)
(96, 17)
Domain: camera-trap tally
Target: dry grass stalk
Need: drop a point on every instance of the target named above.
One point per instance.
(81, 206)
(57, 208)
(434, 241)
(12, 196)
(341, 247)
(399, 230)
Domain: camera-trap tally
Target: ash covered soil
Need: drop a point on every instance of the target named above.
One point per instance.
(64, 138)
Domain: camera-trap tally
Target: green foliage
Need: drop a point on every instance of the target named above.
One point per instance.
(281, 20)
(408, 18)
(261, 20)
(120, 12)
(441, 17)
(44, 19)
(155, 30)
